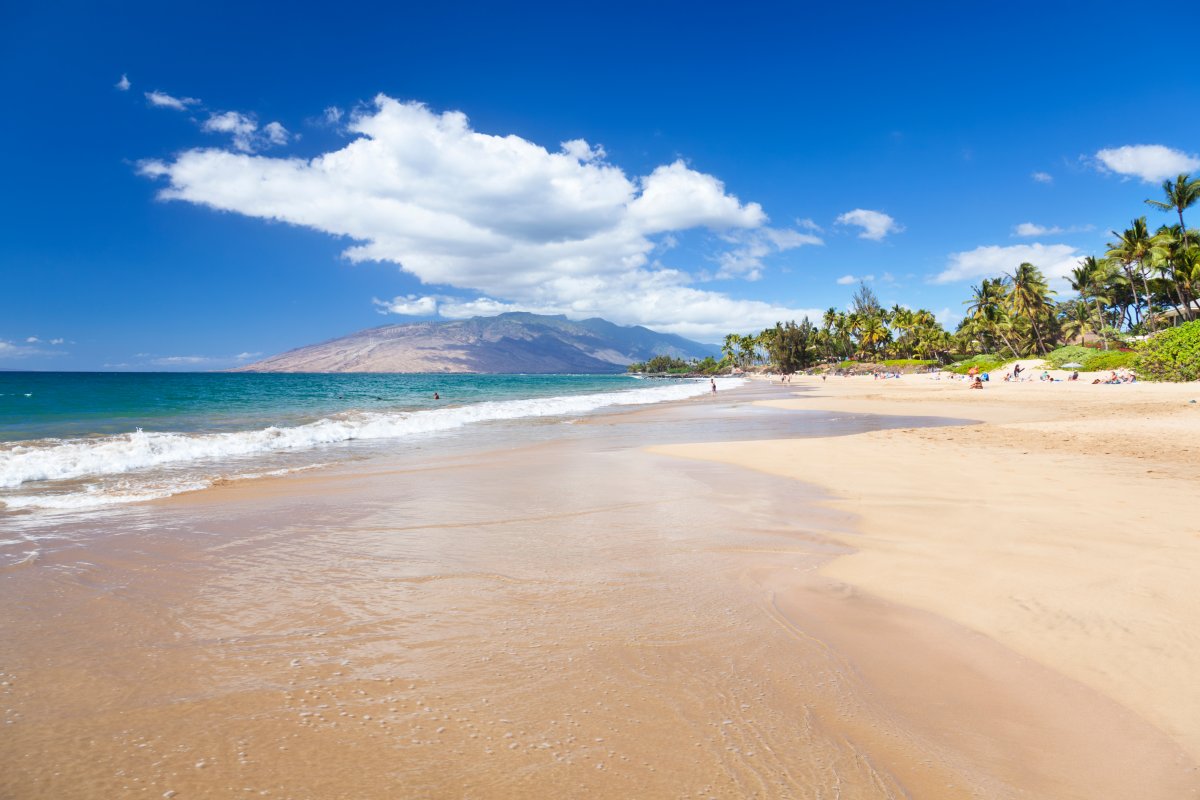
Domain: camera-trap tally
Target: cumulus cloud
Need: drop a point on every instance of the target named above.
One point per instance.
(745, 260)
(947, 318)
(847, 280)
(507, 221)
(239, 126)
(244, 131)
(196, 361)
(409, 306)
(1054, 260)
(1033, 229)
(1042, 177)
(1150, 162)
(275, 133)
(123, 84)
(875, 224)
(164, 100)
(29, 347)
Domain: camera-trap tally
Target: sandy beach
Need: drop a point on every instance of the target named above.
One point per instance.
(814, 590)
(1062, 528)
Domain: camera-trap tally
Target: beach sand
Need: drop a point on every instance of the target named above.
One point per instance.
(1063, 528)
(679, 602)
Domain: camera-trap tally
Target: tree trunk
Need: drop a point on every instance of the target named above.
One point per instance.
(1146, 286)
(1137, 313)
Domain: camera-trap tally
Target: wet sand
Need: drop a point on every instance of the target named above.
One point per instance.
(578, 617)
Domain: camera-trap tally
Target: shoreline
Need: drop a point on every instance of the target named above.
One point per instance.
(1058, 526)
(570, 616)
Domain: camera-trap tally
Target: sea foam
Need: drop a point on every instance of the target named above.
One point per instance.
(69, 459)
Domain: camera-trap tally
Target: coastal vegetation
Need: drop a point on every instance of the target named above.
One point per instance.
(1172, 355)
(670, 365)
(1123, 312)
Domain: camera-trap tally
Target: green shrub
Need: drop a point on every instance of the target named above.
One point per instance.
(1171, 355)
(1065, 355)
(985, 363)
(908, 362)
(1100, 360)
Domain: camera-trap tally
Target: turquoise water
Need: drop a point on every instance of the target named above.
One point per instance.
(39, 405)
(72, 441)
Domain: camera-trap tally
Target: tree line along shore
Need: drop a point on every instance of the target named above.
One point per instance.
(1135, 306)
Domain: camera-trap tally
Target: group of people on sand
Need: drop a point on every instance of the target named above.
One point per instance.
(1121, 375)
(1015, 376)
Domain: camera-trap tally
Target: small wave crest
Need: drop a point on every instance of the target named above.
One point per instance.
(57, 460)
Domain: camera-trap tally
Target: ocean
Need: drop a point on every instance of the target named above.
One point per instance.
(78, 441)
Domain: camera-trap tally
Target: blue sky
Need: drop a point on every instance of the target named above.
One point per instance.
(194, 189)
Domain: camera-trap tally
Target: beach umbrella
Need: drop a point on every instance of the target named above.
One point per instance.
(1072, 365)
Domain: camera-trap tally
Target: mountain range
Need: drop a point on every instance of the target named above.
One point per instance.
(515, 342)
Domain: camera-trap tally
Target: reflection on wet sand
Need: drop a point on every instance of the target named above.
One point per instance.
(575, 618)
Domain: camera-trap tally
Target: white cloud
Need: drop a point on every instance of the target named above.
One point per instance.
(875, 224)
(847, 280)
(1054, 260)
(176, 361)
(808, 225)
(580, 150)
(332, 115)
(1150, 162)
(123, 84)
(163, 100)
(1042, 177)
(244, 131)
(1033, 229)
(947, 318)
(198, 361)
(275, 133)
(241, 127)
(57, 341)
(409, 306)
(745, 260)
(11, 350)
(500, 217)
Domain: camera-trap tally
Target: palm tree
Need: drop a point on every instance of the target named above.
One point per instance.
(1076, 318)
(1181, 193)
(987, 308)
(872, 332)
(1133, 246)
(1090, 279)
(746, 345)
(730, 347)
(1029, 299)
(844, 326)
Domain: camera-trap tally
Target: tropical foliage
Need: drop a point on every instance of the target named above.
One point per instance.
(1145, 281)
(1172, 355)
(669, 364)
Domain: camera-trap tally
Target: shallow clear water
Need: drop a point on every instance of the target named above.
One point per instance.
(82, 440)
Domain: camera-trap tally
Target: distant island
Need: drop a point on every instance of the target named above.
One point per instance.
(515, 342)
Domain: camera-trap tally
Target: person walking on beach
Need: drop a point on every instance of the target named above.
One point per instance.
(713, 381)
